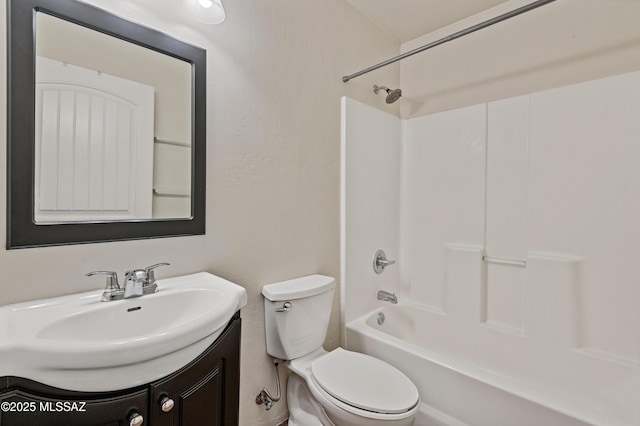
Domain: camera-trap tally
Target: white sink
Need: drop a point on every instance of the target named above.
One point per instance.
(77, 342)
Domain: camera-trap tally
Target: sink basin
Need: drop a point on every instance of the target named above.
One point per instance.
(77, 342)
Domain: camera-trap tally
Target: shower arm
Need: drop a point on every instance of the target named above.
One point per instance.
(461, 33)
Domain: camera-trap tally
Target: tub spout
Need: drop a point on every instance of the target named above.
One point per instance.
(387, 297)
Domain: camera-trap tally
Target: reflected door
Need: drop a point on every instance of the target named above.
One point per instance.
(94, 145)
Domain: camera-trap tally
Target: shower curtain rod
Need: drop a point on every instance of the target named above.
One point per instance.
(453, 36)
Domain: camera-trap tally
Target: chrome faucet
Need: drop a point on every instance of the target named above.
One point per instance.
(138, 282)
(387, 297)
(112, 290)
(133, 283)
(150, 285)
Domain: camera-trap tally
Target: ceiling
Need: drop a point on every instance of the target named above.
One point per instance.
(408, 19)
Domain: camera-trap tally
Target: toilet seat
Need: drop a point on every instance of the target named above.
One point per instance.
(364, 382)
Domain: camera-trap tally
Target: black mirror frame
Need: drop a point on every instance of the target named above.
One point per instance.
(22, 231)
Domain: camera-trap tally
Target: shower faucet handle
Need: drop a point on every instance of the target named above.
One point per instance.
(384, 263)
(380, 261)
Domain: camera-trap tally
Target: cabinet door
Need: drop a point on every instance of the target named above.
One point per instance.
(20, 408)
(204, 393)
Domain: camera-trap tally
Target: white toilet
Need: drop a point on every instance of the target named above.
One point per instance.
(340, 387)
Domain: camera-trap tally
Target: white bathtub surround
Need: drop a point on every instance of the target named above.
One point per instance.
(369, 198)
(518, 233)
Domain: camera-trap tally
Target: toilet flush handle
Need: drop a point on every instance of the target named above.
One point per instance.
(286, 307)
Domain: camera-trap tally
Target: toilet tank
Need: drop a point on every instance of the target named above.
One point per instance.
(296, 314)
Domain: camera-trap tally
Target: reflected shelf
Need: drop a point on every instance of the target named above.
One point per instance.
(171, 142)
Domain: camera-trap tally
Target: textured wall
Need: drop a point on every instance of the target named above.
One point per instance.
(273, 156)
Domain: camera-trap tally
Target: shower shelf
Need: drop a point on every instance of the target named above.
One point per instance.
(505, 261)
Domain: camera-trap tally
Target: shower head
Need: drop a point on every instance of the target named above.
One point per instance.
(392, 95)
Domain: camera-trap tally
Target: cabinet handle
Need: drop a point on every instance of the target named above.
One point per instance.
(136, 419)
(167, 404)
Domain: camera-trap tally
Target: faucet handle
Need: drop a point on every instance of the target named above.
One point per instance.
(150, 285)
(380, 261)
(112, 279)
(112, 284)
(151, 278)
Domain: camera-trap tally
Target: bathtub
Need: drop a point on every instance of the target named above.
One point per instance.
(474, 380)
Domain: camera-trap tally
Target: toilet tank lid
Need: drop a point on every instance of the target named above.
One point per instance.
(298, 288)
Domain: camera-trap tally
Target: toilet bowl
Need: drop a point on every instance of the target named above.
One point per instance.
(337, 388)
(346, 388)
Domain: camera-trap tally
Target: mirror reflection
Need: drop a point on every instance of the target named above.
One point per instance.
(113, 128)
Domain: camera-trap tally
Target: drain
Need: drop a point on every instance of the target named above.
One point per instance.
(380, 318)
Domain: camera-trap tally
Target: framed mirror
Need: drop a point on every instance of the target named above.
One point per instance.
(106, 128)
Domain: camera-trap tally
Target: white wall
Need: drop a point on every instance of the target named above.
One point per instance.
(273, 154)
(561, 43)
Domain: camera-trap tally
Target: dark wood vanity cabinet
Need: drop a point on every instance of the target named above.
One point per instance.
(203, 393)
(24, 408)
